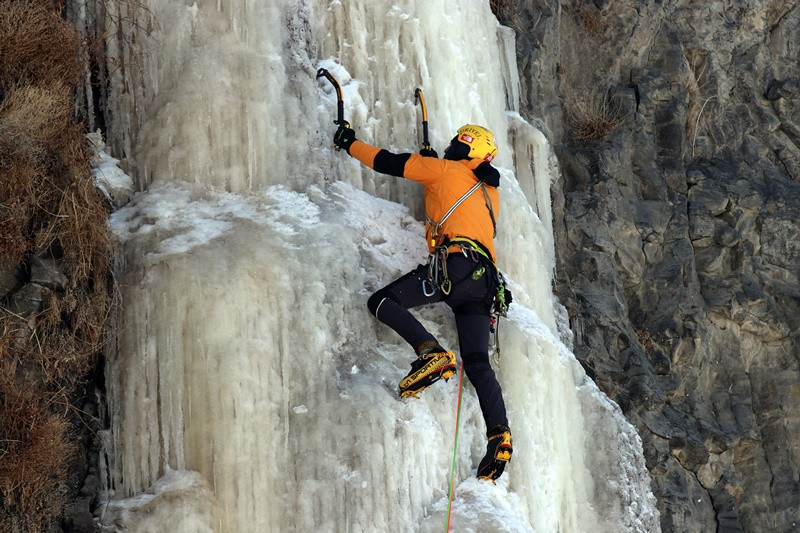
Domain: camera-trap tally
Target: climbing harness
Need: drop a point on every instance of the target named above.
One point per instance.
(418, 97)
(339, 99)
(437, 278)
(437, 260)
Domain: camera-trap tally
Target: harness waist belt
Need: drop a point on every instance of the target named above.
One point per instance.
(458, 244)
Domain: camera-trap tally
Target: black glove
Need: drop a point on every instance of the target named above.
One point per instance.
(487, 174)
(429, 152)
(344, 137)
(509, 298)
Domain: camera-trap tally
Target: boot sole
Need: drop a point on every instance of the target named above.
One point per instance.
(412, 392)
(501, 457)
(500, 460)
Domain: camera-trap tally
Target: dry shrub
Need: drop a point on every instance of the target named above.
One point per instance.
(591, 19)
(63, 339)
(36, 139)
(35, 452)
(32, 120)
(69, 333)
(49, 195)
(592, 115)
(78, 222)
(32, 125)
(17, 204)
(81, 222)
(36, 45)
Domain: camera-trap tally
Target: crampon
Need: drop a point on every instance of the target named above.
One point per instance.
(498, 453)
(429, 368)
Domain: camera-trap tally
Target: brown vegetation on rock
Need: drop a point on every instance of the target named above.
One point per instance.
(591, 19)
(54, 261)
(34, 456)
(592, 116)
(36, 44)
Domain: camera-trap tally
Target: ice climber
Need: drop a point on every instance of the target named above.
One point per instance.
(461, 204)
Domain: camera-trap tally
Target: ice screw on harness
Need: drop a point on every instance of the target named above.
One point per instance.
(339, 100)
(426, 145)
(499, 309)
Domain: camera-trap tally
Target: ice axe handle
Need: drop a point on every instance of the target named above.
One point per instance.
(339, 100)
(421, 99)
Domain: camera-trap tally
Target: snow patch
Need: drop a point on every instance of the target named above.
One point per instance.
(115, 184)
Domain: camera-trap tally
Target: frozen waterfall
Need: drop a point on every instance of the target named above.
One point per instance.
(248, 388)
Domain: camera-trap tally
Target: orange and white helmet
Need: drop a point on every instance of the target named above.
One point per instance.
(481, 142)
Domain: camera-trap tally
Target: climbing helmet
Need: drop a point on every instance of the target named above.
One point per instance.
(481, 142)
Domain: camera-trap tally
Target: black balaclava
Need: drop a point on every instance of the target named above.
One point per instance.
(457, 150)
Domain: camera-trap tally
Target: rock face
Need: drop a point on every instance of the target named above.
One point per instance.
(678, 235)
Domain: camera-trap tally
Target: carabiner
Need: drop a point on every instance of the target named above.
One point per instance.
(494, 331)
(425, 282)
(446, 286)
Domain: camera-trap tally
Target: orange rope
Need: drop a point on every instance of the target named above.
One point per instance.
(455, 446)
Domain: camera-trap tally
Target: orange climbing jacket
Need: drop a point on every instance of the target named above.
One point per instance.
(446, 182)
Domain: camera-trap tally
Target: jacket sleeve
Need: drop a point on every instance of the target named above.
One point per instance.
(412, 166)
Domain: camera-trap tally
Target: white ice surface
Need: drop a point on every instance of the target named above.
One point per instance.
(250, 357)
(108, 176)
(245, 355)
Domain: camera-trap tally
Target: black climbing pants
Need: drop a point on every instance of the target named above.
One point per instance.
(471, 301)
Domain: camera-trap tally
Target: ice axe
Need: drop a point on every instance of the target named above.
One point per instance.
(339, 100)
(418, 98)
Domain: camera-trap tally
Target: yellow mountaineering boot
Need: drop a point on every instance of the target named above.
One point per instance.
(498, 453)
(433, 363)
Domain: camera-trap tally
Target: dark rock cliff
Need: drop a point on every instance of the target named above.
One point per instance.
(677, 234)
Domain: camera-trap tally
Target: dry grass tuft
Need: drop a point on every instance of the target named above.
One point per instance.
(70, 331)
(17, 204)
(49, 195)
(32, 120)
(36, 45)
(696, 89)
(591, 19)
(79, 225)
(592, 116)
(35, 452)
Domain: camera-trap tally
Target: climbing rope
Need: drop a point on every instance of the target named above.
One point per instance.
(455, 446)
